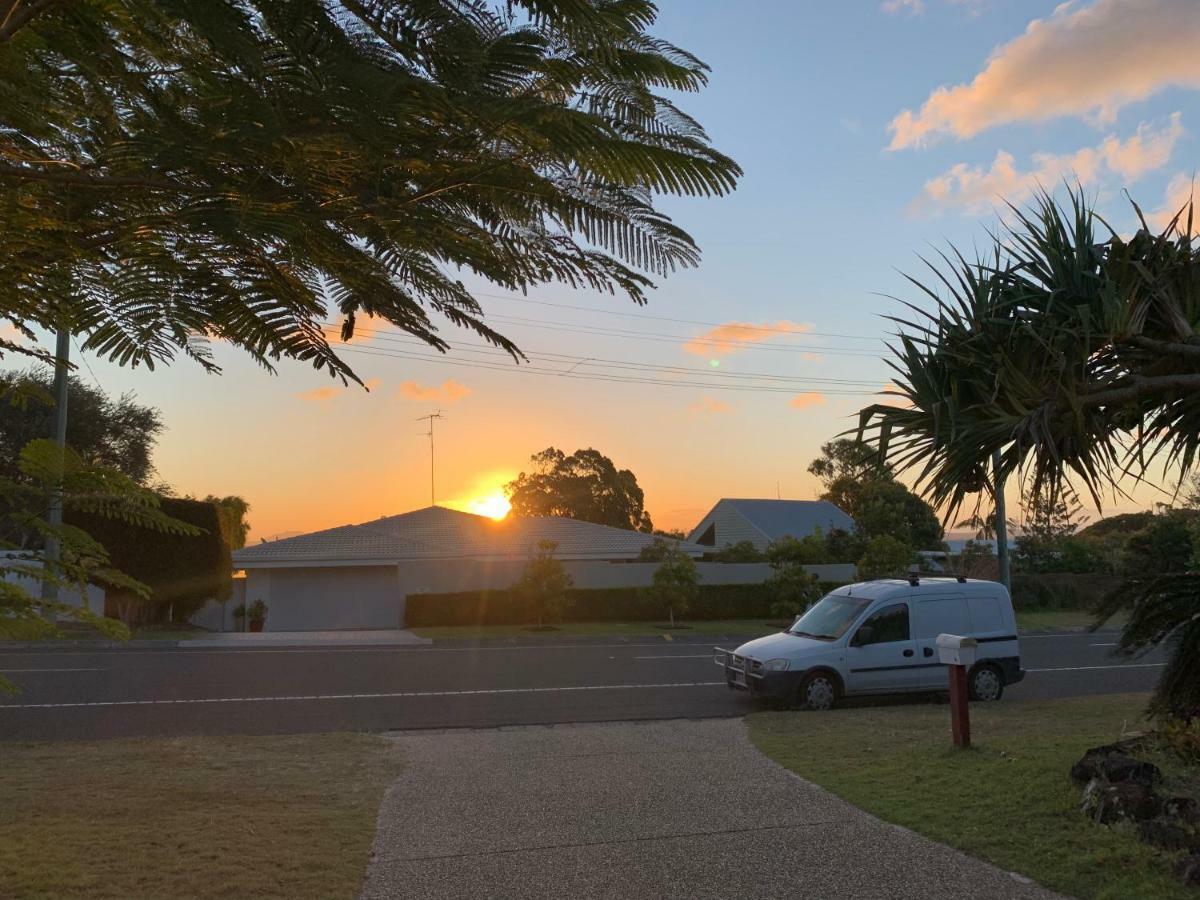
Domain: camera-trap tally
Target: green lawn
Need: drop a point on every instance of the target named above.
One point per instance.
(1063, 620)
(228, 817)
(1008, 800)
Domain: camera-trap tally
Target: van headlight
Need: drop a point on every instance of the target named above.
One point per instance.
(777, 665)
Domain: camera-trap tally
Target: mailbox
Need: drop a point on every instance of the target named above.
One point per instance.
(954, 650)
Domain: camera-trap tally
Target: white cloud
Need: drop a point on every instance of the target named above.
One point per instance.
(911, 7)
(1180, 190)
(321, 395)
(807, 399)
(1085, 61)
(977, 188)
(722, 340)
(449, 391)
(917, 7)
(708, 406)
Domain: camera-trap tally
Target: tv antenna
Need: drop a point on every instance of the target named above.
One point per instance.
(429, 433)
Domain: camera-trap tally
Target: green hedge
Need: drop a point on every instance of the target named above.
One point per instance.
(1060, 590)
(183, 571)
(625, 604)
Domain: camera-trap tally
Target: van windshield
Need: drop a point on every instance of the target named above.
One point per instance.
(830, 617)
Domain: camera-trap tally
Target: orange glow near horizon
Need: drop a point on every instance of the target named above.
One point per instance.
(494, 505)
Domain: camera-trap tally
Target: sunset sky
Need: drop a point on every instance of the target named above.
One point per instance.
(869, 132)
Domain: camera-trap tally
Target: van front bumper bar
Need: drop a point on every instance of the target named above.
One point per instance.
(743, 673)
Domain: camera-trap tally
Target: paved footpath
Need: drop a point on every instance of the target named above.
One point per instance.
(684, 809)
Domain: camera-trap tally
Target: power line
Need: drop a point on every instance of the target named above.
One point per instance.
(620, 379)
(594, 362)
(609, 312)
(660, 337)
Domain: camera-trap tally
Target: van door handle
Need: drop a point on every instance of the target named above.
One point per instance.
(929, 651)
(908, 653)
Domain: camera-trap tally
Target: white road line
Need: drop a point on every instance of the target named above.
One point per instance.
(394, 694)
(1113, 644)
(50, 670)
(678, 656)
(1092, 668)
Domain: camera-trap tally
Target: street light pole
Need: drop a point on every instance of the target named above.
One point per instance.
(53, 550)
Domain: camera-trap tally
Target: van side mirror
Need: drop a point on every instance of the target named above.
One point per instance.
(864, 635)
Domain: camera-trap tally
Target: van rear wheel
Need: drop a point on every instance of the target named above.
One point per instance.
(819, 692)
(985, 684)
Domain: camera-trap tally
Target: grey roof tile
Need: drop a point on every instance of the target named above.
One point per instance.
(439, 533)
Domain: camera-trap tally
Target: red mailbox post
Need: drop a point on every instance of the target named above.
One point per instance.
(958, 654)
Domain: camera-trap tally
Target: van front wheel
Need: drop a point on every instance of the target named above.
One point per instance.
(985, 684)
(819, 691)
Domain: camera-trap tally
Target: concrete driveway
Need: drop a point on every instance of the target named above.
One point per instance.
(679, 808)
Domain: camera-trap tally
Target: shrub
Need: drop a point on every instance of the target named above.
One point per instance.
(624, 604)
(543, 584)
(741, 552)
(1060, 590)
(674, 582)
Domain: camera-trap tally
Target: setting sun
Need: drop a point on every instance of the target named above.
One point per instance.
(494, 505)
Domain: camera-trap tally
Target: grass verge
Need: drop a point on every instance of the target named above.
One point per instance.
(1063, 620)
(228, 817)
(1008, 800)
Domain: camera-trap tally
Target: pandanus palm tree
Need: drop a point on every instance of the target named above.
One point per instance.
(1072, 354)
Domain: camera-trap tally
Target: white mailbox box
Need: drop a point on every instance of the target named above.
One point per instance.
(954, 650)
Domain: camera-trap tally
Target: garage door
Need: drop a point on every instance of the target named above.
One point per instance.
(353, 597)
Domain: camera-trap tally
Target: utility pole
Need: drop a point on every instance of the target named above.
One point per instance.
(431, 417)
(1001, 523)
(54, 516)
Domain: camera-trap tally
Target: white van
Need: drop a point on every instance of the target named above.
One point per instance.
(880, 637)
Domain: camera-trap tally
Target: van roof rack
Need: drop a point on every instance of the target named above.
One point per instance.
(962, 579)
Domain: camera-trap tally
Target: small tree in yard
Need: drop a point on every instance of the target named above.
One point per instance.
(885, 557)
(675, 582)
(793, 588)
(544, 583)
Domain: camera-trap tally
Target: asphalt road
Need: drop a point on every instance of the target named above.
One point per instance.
(81, 693)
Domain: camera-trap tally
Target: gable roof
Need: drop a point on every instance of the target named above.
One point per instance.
(779, 518)
(439, 533)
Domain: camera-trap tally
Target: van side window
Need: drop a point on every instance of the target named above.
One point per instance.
(887, 625)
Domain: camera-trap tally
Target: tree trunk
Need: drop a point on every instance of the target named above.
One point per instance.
(671, 613)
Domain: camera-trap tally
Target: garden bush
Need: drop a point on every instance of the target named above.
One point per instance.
(182, 571)
(1060, 590)
(625, 604)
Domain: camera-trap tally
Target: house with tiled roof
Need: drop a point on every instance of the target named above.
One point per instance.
(358, 576)
(732, 521)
